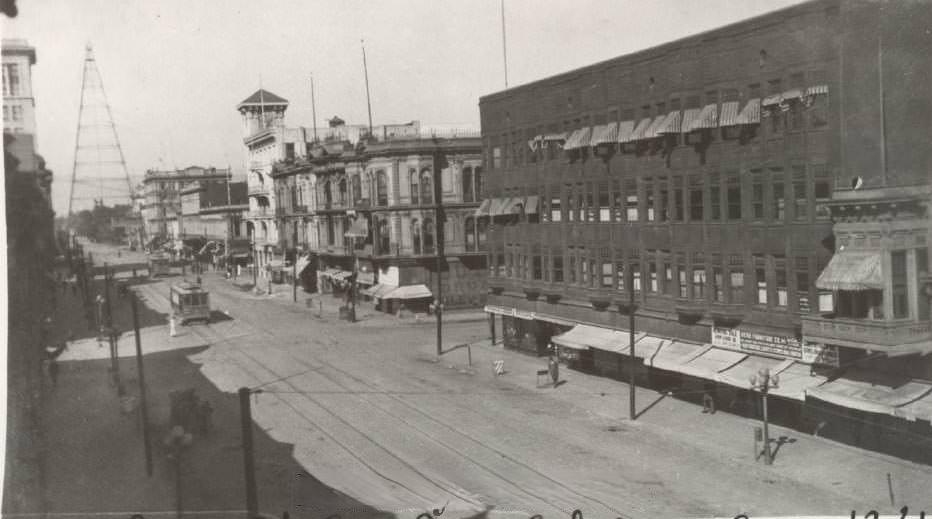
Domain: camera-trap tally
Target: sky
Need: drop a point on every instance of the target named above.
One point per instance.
(174, 70)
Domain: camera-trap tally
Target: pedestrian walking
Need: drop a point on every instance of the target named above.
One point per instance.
(708, 399)
(171, 327)
(53, 371)
(554, 368)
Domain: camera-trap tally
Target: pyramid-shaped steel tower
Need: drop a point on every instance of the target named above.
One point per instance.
(99, 172)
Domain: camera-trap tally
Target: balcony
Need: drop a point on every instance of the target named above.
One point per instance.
(261, 212)
(258, 190)
(863, 333)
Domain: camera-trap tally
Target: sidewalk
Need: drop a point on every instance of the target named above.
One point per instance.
(813, 462)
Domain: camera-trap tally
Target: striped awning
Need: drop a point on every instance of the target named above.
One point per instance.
(578, 139)
(729, 115)
(817, 89)
(625, 129)
(604, 134)
(672, 123)
(654, 126)
(852, 270)
(707, 118)
(750, 114)
(689, 119)
(484, 207)
(640, 130)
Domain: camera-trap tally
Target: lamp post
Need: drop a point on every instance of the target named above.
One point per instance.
(763, 381)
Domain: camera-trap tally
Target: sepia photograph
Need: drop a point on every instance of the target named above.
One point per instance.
(466, 259)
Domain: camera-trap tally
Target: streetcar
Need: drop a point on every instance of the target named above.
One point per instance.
(190, 302)
(159, 264)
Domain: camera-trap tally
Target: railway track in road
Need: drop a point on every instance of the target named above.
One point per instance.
(503, 467)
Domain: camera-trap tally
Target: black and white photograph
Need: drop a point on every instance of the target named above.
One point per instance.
(466, 259)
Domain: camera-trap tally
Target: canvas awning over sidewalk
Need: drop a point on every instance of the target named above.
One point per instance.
(873, 392)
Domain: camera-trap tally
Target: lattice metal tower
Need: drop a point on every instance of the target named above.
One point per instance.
(99, 167)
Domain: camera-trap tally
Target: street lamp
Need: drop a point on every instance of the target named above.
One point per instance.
(763, 381)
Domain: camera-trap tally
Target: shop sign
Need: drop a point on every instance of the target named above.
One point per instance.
(735, 339)
(818, 353)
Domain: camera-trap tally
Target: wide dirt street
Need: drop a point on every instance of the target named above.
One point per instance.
(374, 417)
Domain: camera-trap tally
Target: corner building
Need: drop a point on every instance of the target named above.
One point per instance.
(765, 188)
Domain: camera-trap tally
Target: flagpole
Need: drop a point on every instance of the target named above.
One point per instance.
(313, 108)
(365, 69)
(504, 45)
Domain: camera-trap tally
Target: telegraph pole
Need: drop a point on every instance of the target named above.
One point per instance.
(142, 389)
(252, 500)
(226, 242)
(439, 217)
(631, 381)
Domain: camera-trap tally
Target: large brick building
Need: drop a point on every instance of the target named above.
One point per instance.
(763, 185)
(373, 197)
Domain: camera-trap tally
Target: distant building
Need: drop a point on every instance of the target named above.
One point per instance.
(19, 105)
(161, 206)
(212, 213)
(758, 195)
(372, 198)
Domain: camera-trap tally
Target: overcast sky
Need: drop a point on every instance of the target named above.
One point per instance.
(175, 69)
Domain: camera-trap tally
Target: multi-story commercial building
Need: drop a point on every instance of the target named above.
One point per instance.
(267, 141)
(213, 213)
(161, 208)
(19, 105)
(756, 195)
(366, 202)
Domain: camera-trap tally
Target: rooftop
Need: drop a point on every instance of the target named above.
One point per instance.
(14, 46)
(263, 97)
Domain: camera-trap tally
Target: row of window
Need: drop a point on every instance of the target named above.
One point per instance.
(12, 113)
(422, 234)
(511, 148)
(760, 194)
(765, 281)
(11, 80)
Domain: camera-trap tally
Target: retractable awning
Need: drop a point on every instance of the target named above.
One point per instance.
(750, 114)
(497, 206)
(410, 292)
(791, 94)
(625, 129)
(729, 114)
(674, 353)
(795, 380)
(772, 100)
(531, 204)
(604, 134)
(872, 392)
(583, 336)
(689, 119)
(739, 374)
(710, 363)
(672, 124)
(379, 291)
(707, 118)
(651, 131)
(578, 139)
(916, 348)
(640, 130)
(817, 89)
(555, 137)
(920, 409)
(852, 270)
(483, 209)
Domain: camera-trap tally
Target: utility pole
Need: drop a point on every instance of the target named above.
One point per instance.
(504, 45)
(252, 500)
(439, 217)
(631, 381)
(143, 408)
(226, 243)
(313, 108)
(365, 69)
(294, 277)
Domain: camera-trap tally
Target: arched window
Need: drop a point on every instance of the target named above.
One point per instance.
(384, 237)
(328, 194)
(251, 231)
(343, 191)
(381, 188)
(357, 189)
(428, 236)
(412, 175)
(427, 188)
(265, 231)
(470, 233)
(415, 236)
(469, 194)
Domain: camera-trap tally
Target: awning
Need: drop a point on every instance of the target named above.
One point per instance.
(772, 100)
(871, 392)
(379, 291)
(791, 94)
(578, 139)
(739, 374)
(646, 346)
(729, 115)
(640, 130)
(604, 134)
(651, 131)
(302, 263)
(795, 380)
(750, 114)
(852, 270)
(920, 409)
(674, 353)
(483, 209)
(531, 204)
(493, 309)
(915, 348)
(583, 336)
(498, 205)
(672, 124)
(513, 205)
(536, 142)
(817, 89)
(707, 118)
(689, 119)
(625, 129)
(555, 137)
(359, 228)
(366, 278)
(710, 363)
(409, 292)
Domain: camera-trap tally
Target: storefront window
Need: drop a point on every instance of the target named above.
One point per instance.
(717, 284)
(900, 292)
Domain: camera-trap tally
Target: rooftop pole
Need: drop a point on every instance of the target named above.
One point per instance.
(365, 69)
(504, 45)
(314, 108)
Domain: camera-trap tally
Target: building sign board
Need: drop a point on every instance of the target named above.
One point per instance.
(818, 353)
(789, 347)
